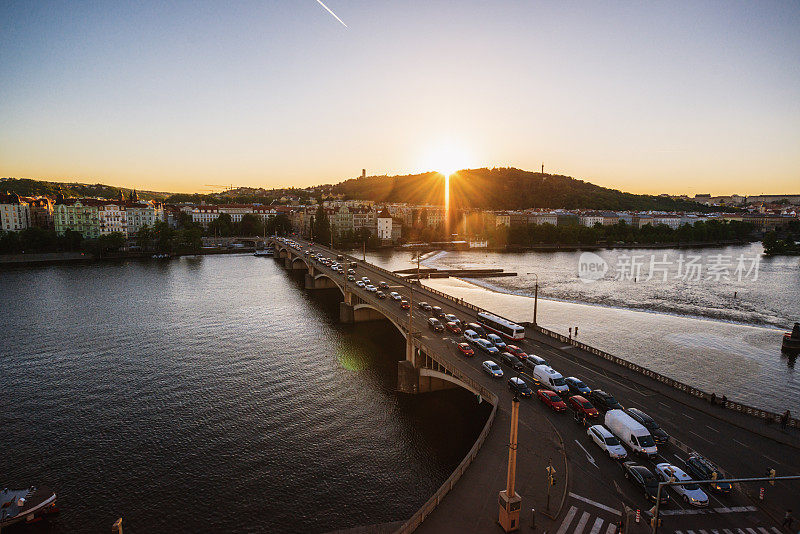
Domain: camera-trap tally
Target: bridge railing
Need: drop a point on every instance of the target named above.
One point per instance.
(430, 505)
(766, 415)
(675, 384)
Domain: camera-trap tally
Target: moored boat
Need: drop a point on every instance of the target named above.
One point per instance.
(791, 340)
(264, 252)
(25, 504)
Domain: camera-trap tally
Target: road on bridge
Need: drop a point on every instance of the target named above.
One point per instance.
(596, 490)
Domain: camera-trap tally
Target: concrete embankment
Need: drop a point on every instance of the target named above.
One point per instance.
(57, 258)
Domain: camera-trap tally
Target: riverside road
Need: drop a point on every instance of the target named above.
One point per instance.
(591, 493)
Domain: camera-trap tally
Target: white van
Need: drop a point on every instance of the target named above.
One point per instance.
(471, 336)
(631, 433)
(550, 378)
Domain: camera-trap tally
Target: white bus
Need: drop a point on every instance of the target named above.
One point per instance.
(501, 326)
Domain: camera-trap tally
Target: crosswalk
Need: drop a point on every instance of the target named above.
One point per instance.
(581, 522)
(746, 530)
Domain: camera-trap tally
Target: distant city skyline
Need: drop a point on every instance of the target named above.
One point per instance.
(684, 98)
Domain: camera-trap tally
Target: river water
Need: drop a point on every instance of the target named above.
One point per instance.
(691, 328)
(212, 394)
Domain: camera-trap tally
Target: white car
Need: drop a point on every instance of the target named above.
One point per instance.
(365, 279)
(371, 288)
(395, 295)
(604, 439)
(360, 284)
(492, 368)
(691, 493)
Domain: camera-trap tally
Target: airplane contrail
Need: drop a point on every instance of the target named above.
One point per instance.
(332, 13)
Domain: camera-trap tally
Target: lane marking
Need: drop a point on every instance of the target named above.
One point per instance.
(679, 459)
(701, 511)
(752, 531)
(567, 520)
(740, 443)
(596, 527)
(772, 459)
(713, 429)
(689, 416)
(701, 437)
(763, 530)
(588, 456)
(594, 503)
(611, 529)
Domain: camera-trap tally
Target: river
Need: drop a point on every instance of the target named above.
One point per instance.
(691, 328)
(212, 394)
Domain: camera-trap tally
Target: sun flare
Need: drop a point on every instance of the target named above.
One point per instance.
(446, 158)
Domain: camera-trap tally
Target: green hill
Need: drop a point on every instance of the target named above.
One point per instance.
(506, 189)
(26, 187)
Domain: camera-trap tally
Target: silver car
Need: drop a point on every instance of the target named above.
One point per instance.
(691, 493)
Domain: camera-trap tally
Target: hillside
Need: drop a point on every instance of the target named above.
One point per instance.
(30, 188)
(506, 189)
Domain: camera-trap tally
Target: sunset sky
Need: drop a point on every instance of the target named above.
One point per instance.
(648, 97)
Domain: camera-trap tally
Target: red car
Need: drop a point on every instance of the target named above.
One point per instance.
(583, 407)
(452, 327)
(404, 304)
(552, 399)
(465, 349)
(516, 351)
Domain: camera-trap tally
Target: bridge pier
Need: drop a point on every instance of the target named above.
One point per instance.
(413, 378)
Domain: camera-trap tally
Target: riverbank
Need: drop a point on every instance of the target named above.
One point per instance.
(58, 258)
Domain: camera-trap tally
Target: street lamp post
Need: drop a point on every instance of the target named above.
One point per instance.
(535, 296)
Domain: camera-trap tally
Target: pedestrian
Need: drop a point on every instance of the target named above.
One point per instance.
(570, 332)
(724, 400)
(785, 419)
(713, 399)
(788, 519)
(576, 331)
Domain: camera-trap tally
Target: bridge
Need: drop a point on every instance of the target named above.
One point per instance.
(591, 495)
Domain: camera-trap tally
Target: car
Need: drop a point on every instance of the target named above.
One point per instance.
(551, 399)
(649, 423)
(383, 285)
(351, 271)
(497, 341)
(576, 386)
(465, 349)
(604, 401)
(645, 479)
(436, 311)
(702, 469)
(582, 407)
(604, 439)
(471, 336)
(690, 493)
(435, 325)
(487, 347)
(492, 368)
(452, 327)
(351, 278)
(404, 304)
(518, 352)
(520, 387)
(371, 288)
(511, 360)
(475, 327)
(450, 318)
(395, 295)
(361, 284)
(423, 305)
(334, 265)
(365, 279)
(532, 361)
(380, 294)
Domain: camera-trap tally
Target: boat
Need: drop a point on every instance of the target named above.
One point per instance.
(264, 252)
(25, 504)
(791, 340)
(161, 256)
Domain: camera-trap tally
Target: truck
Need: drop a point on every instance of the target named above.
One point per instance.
(631, 433)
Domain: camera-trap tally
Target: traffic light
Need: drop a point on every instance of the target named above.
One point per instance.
(772, 475)
(655, 522)
(714, 475)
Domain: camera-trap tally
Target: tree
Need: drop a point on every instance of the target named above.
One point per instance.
(322, 226)
(279, 225)
(144, 236)
(163, 234)
(221, 226)
(250, 225)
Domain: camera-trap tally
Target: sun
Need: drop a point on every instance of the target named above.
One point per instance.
(445, 157)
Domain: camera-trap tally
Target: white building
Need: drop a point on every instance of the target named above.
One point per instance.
(112, 218)
(384, 225)
(142, 214)
(591, 218)
(15, 214)
(203, 215)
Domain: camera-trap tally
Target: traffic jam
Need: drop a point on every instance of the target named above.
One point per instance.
(627, 436)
